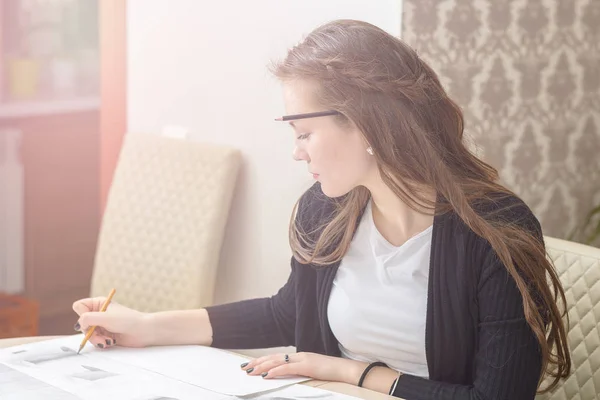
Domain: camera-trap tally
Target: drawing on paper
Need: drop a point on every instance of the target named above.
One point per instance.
(159, 398)
(39, 358)
(93, 374)
(163, 398)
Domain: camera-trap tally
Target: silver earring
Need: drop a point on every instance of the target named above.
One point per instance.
(370, 150)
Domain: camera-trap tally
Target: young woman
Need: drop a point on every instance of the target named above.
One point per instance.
(413, 272)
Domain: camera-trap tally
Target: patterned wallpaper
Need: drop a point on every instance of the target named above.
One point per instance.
(527, 75)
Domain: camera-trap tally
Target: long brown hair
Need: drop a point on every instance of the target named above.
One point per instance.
(395, 99)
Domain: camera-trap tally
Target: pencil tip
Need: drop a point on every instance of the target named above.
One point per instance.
(279, 119)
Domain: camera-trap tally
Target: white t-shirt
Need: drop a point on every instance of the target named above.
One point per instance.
(378, 304)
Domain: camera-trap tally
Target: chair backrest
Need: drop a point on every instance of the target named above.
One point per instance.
(579, 269)
(164, 222)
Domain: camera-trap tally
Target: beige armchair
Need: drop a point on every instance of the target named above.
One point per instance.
(164, 222)
(579, 269)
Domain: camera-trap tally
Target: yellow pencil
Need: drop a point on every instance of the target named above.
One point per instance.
(91, 330)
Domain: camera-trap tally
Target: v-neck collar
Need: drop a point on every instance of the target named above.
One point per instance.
(325, 284)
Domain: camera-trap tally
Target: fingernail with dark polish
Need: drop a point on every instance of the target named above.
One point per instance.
(243, 365)
(77, 326)
(114, 341)
(264, 374)
(108, 342)
(100, 345)
(249, 370)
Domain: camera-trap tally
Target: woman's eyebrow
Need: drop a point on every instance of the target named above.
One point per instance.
(294, 126)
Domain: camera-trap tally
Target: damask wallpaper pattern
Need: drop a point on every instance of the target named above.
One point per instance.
(527, 75)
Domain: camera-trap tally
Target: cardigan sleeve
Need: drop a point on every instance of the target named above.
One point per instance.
(270, 321)
(508, 360)
(256, 323)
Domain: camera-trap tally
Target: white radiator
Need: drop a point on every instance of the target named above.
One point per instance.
(11, 213)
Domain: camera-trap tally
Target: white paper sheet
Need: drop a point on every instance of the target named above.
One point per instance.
(88, 376)
(174, 372)
(206, 367)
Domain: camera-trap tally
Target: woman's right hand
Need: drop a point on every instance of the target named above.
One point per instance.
(118, 325)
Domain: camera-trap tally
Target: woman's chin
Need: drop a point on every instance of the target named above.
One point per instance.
(333, 191)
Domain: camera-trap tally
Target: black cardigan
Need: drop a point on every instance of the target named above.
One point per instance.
(478, 344)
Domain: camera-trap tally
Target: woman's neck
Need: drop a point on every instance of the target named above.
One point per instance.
(395, 219)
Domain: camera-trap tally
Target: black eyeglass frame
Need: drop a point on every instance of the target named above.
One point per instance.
(308, 115)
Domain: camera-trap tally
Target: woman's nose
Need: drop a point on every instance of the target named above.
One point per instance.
(299, 155)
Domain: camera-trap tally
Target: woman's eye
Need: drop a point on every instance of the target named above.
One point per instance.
(303, 136)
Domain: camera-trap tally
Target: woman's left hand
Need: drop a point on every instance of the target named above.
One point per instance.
(310, 365)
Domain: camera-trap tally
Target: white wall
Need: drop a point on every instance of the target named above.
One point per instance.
(202, 65)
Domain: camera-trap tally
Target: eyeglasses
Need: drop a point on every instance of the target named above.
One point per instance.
(308, 115)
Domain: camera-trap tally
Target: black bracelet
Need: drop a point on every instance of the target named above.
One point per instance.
(366, 371)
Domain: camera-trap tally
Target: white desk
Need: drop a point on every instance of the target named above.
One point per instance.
(331, 386)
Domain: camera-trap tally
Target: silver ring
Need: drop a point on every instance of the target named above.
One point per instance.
(286, 358)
